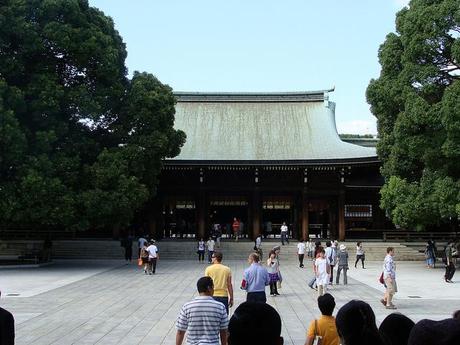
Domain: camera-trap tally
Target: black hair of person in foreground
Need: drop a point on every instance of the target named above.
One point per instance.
(356, 325)
(429, 332)
(395, 329)
(255, 324)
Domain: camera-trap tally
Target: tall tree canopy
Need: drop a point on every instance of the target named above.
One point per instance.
(416, 100)
(81, 145)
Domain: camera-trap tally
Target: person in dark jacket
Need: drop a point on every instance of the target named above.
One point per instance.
(6, 327)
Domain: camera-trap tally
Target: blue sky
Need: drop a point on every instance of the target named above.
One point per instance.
(260, 45)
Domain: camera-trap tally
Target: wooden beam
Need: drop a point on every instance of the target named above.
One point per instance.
(341, 215)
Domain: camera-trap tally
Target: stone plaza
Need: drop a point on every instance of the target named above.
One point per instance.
(110, 302)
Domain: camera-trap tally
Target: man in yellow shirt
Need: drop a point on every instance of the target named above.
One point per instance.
(222, 278)
(324, 327)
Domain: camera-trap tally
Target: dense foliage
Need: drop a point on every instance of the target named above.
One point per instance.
(416, 100)
(81, 145)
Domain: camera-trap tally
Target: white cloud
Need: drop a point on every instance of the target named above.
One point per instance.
(357, 127)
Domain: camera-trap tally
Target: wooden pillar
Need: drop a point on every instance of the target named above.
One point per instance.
(341, 214)
(304, 217)
(256, 213)
(201, 213)
(155, 218)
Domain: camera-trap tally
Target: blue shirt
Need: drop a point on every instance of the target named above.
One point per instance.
(256, 278)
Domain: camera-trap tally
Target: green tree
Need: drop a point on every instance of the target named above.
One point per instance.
(416, 101)
(81, 145)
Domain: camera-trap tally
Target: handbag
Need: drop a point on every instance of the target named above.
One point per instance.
(381, 280)
(139, 262)
(317, 340)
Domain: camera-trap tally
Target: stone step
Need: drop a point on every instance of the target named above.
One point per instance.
(87, 249)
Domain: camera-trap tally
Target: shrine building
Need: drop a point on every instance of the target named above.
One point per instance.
(266, 158)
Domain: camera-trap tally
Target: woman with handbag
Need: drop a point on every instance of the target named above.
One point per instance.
(273, 269)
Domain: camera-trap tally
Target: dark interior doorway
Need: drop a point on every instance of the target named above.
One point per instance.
(224, 215)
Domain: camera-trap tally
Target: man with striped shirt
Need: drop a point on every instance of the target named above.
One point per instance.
(204, 319)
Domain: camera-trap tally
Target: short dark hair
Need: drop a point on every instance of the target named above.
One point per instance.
(355, 323)
(218, 256)
(254, 323)
(328, 243)
(326, 303)
(395, 329)
(204, 284)
(456, 314)
(389, 249)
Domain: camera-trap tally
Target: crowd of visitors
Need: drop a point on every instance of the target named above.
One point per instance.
(254, 322)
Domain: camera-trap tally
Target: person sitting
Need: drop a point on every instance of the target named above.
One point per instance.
(324, 327)
(355, 323)
(429, 332)
(255, 323)
(395, 329)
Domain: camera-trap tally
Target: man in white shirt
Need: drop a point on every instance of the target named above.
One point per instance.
(301, 252)
(389, 276)
(210, 245)
(152, 249)
(284, 234)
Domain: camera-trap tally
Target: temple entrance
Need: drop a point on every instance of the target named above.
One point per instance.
(179, 217)
(223, 210)
(275, 211)
(319, 218)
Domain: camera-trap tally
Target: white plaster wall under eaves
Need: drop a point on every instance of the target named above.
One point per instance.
(258, 128)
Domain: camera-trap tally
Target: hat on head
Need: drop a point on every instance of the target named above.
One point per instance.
(343, 247)
(429, 332)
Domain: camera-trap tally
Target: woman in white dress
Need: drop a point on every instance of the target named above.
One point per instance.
(322, 271)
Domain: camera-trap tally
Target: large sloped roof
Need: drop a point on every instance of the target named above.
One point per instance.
(292, 126)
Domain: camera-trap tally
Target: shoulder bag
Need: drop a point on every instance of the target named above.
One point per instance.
(317, 340)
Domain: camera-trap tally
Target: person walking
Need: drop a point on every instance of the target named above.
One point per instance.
(235, 228)
(210, 244)
(273, 269)
(141, 242)
(204, 319)
(342, 262)
(144, 256)
(322, 271)
(127, 244)
(221, 275)
(153, 257)
(450, 266)
(389, 276)
(330, 254)
(430, 255)
(324, 327)
(255, 279)
(359, 254)
(309, 246)
(201, 246)
(258, 246)
(316, 251)
(301, 252)
(284, 234)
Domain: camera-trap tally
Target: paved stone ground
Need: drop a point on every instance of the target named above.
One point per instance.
(97, 302)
